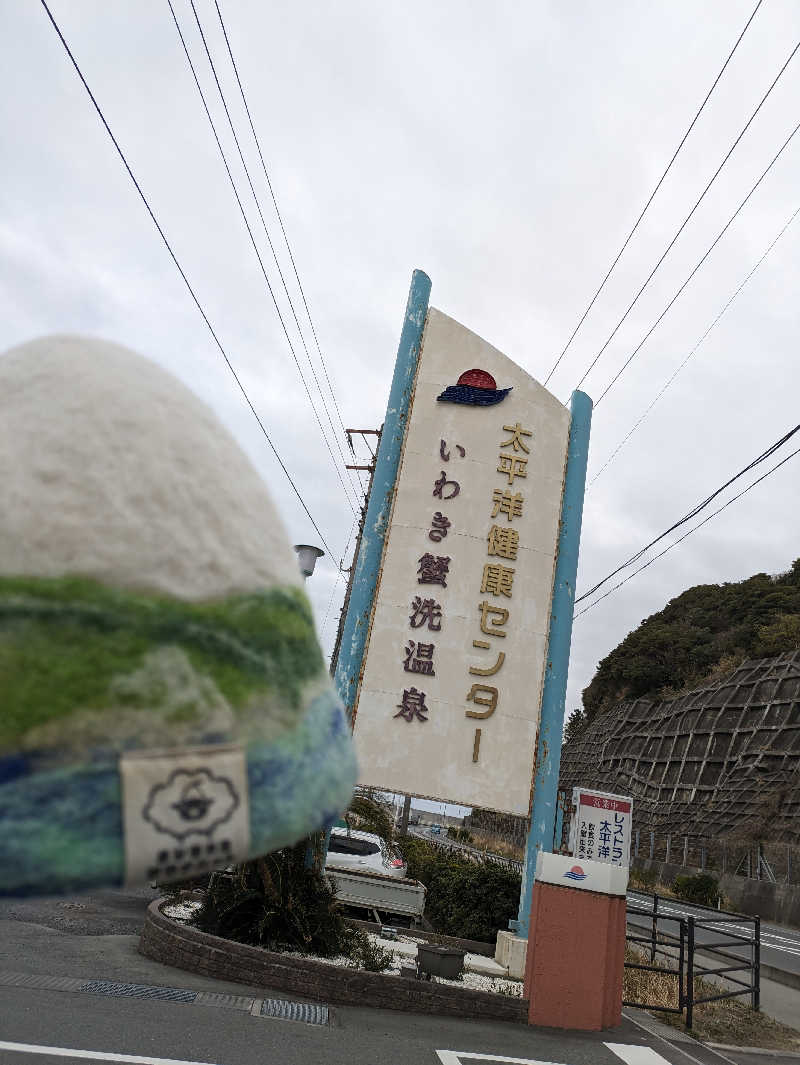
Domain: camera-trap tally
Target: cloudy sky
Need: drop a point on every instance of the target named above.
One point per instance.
(504, 148)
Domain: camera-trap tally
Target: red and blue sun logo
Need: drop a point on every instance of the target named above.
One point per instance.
(477, 388)
(575, 873)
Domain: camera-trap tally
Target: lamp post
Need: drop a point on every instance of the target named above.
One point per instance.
(307, 558)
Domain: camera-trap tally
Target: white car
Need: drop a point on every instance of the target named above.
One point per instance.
(363, 852)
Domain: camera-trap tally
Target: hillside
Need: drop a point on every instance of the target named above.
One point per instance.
(699, 637)
(719, 767)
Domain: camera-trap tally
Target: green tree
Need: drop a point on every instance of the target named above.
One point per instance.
(781, 635)
(576, 723)
(706, 626)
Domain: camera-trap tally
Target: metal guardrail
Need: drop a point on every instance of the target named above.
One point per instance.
(684, 951)
(473, 853)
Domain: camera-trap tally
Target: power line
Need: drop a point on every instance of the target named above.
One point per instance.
(339, 573)
(689, 533)
(269, 239)
(711, 247)
(174, 258)
(324, 627)
(252, 238)
(653, 193)
(685, 222)
(278, 214)
(675, 373)
(695, 510)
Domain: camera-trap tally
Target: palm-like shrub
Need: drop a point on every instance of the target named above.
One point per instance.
(277, 903)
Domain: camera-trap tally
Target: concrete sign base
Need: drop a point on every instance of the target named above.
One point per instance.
(510, 952)
(573, 971)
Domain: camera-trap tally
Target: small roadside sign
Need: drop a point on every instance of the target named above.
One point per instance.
(601, 826)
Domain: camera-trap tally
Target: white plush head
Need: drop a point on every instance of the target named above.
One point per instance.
(99, 457)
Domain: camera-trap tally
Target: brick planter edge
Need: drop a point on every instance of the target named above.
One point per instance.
(170, 943)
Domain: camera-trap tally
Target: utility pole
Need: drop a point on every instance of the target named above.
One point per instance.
(307, 555)
(403, 827)
(363, 433)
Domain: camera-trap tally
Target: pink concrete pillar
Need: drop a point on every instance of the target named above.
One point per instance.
(576, 946)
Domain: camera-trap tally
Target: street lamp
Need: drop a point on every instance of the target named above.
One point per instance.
(307, 557)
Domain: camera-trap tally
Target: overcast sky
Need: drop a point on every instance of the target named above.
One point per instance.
(504, 148)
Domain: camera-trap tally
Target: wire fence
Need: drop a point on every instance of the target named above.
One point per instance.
(777, 863)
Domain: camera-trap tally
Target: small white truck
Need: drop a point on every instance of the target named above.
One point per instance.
(385, 898)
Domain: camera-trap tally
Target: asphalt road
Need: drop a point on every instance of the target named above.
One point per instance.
(51, 1028)
(780, 947)
(94, 938)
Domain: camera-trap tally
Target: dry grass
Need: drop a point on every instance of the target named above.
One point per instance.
(640, 880)
(498, 845)
(640, 985)
(730, 1020)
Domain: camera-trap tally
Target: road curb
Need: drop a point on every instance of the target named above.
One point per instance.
(780, 976)
(791, 1055)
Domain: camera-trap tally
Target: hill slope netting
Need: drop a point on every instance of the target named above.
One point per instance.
(722, 762)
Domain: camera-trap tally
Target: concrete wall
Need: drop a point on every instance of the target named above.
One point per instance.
(772, 902)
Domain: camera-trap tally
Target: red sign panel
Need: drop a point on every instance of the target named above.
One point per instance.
(605, 804)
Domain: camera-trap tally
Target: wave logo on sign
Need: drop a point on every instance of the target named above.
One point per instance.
(575, 873)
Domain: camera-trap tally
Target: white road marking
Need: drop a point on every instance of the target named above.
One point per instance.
(769, 940)
(632, 1054)
(94, 1055)
(458, 1057)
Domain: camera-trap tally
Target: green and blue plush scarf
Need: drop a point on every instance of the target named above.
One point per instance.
(164, 705)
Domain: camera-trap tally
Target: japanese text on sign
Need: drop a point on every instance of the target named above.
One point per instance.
(462, 604)
(497, 580)
(601, 827)
(432, 569)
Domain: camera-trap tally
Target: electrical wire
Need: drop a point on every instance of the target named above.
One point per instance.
(689, 533)
(685, 222)
(339, 574)
(695, 510)
(278, 213)
(324, 627)
(180, 270)
(653, 193)
(274, 256)
(675, 373)
(711, 247)
(255, 249)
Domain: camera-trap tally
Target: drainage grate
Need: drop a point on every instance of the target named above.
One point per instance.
(167, 994)
(231, 1002)
(40, 983)
(306, 1012)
